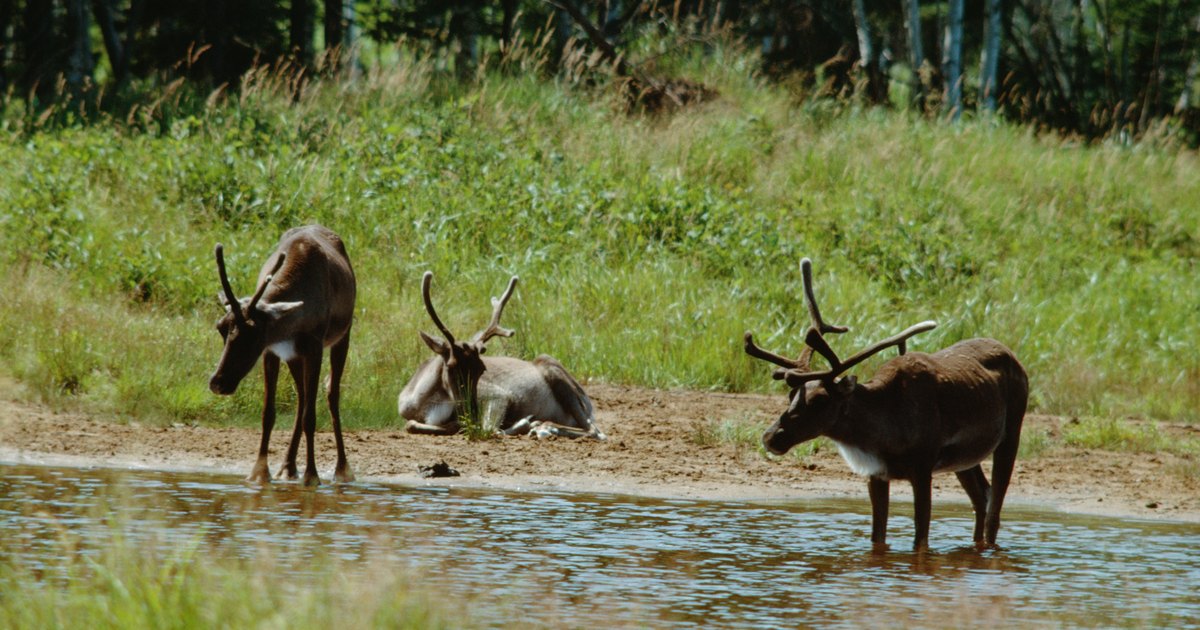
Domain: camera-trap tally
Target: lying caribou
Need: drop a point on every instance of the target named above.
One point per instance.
(538, 397)
(304, 303)
(921, 414)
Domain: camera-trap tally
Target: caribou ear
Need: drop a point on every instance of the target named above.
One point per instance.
(438, 346)
(846, 385)
(276, 310)
(223, 300)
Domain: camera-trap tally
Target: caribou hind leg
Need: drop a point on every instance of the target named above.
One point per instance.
(421, 428)
(570, 397)
(337, 363)
(976, 484)
(288, 469)
(311, 368)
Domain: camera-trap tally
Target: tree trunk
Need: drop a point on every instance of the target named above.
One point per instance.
(117, 57)
(1184, 102)
(7, 11)
(79, 56)
(37, 46)
(990, 61)
(463, 32)
(333, 23)
(301, 30)
(952, 59)
(916, 52)
(340, 33)
(876, 88)
(509, 8)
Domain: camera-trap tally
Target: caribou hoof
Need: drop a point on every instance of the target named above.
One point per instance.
(288, 472)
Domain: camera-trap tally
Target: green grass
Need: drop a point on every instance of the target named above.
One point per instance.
(645, 245)
(132, 586)
(746, 434)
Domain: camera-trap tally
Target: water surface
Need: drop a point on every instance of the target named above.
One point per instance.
(620, 560)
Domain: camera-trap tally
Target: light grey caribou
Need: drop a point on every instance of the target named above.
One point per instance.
(538, 397)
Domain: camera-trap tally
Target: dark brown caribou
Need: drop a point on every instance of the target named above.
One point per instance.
(920, 414)
(304, 303)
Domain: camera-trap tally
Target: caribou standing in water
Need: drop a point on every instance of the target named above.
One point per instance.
(921, 414)
(304, 303)
(538, 397)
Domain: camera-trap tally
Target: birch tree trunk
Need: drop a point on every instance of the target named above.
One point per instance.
(876, 89)
(952, 59)
(916, 53)
(990, 61)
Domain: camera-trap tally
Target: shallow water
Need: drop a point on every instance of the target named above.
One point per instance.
(619, 560)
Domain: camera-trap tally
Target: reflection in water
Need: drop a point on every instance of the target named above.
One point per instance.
(612, 560)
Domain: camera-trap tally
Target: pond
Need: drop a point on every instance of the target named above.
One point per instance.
(621, 560)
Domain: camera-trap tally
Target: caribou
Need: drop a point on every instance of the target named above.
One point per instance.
(920, 414)
(304, 303)
(536, 397)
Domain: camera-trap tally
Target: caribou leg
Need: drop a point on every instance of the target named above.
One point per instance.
(420, 428)
(976, 485)
(1003, 461)
(288, 469)
(337, 363)
(922, 485)
(877, 488)
(311, 362)
(261, 473)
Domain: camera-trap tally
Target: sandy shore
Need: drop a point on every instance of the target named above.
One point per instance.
(652, 450)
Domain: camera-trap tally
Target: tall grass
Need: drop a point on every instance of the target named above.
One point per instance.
(646, 245)
(130, 586)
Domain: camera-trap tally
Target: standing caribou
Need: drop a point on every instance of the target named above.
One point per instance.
(921, 414)
(538, 397)
(303, 304)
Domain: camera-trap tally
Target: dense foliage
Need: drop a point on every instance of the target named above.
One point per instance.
(1097, 68)
(646, 245)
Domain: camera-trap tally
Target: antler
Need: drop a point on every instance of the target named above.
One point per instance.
(798, 371)
(425, 282)
(234, 305)
(795, 377)
(813, 339)
(493, 329)
(263, 287)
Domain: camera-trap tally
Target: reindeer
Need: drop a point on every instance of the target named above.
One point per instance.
(538, 396)
(303, 304)
(921, 414)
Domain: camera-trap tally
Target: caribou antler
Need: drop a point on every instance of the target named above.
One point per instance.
(799, 371)
(814, 340)
(797, 377)
(493, 329)
(238, 318)
(266, 281)
(425, 282)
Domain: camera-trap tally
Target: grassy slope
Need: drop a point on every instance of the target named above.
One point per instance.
(646, 246)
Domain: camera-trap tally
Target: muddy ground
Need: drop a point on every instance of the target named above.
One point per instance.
(653, 449)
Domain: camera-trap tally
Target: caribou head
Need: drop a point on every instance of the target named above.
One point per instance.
(818, 397)
(462, 361)
(244, 328)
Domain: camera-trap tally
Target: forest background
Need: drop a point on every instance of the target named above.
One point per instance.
(653, 172)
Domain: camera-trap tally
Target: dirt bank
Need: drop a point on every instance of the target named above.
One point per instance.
(652, 450)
